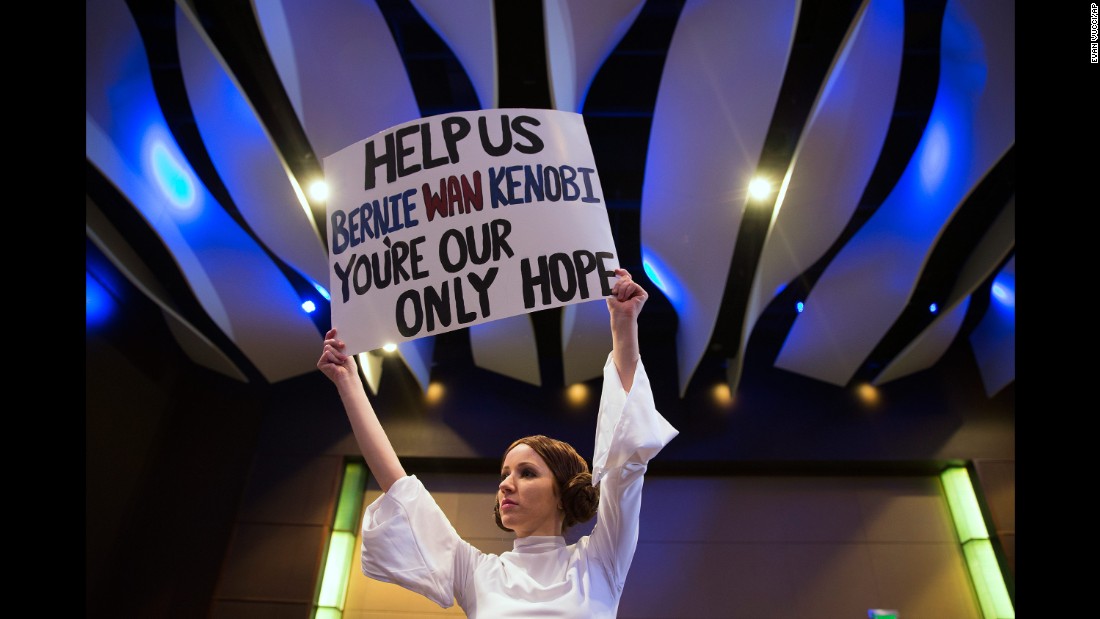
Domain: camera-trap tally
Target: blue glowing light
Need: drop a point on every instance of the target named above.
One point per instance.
(933, 308)
(99, 305)
(663, 280)
(653, 277)
(800, 306)
(309, 306)
(173, 178)
(934, 156)
(947, 148)
(1004, 290)
(321, 289)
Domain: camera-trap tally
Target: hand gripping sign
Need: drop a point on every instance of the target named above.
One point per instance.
(458, 219)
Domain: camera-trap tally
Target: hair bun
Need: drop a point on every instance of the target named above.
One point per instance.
(580, 499)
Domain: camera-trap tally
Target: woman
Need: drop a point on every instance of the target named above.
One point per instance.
(545, 487)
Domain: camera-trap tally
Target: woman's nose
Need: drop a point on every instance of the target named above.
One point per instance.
(506, 483)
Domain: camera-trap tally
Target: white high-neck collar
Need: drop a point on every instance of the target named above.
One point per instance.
(538, 543)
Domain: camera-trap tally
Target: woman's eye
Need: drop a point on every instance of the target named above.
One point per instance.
(528, 474)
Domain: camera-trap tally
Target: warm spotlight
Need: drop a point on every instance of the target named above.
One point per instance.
(868, 394)
(435, 392)
(319, 191)
(722, 395)
(760, 188)
(577, 394)
(389, 347)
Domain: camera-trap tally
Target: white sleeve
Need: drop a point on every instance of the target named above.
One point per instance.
(629, 432)
(408, 541)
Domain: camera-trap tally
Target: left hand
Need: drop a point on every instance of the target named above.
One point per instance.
(627, 297)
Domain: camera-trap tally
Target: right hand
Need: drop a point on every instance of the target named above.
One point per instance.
(333, 362)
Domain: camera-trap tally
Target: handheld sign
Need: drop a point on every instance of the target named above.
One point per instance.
(458, 219)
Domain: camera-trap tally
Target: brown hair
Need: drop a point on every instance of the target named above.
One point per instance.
(579, 498)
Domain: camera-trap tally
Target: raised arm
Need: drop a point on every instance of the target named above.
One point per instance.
(373, 443)
(624, 307)
(629, 432)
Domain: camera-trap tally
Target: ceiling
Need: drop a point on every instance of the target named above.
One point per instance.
(888, 128)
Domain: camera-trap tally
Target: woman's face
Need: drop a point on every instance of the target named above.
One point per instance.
(528, 495)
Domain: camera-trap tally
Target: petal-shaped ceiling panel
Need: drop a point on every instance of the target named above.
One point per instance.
(104, 152)
(370, 366)
(972, 125)
(926, 350)
(718, 91)
(417, 356)
(114, 246)
(469, 33)
(231, 276)
(199, 348)
(246, 159)
(345, 77)
(579, 36)
(994, 339)
(507, 346)
(851, 115)
(996, 244)
(586, 340)
(340, 68)
(468, 28)
(126, 136)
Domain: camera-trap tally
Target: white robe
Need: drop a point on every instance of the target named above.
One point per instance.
(408, 540)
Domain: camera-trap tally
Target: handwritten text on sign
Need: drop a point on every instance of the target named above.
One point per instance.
(458, 219)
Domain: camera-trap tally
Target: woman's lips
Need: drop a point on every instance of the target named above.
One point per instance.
(507, 503)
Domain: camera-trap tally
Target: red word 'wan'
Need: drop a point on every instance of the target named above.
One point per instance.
(456, 195)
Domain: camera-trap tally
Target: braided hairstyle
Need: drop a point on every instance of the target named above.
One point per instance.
(579, 498)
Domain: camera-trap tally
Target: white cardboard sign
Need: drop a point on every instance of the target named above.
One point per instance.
(458, 219)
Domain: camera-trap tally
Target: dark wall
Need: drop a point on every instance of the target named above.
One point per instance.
(168, 449)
